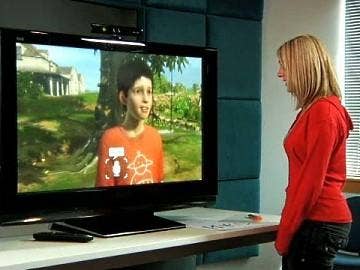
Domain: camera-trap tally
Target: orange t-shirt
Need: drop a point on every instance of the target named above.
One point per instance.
(124, 160)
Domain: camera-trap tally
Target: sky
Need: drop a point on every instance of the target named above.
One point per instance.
(87, 62)
(190, 75)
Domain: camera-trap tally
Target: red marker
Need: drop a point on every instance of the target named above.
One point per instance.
(255, 217)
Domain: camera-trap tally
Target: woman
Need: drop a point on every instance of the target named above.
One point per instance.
(315, 220)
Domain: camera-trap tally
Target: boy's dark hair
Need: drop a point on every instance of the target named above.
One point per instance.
(129, 72)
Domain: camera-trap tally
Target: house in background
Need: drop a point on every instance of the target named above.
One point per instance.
(54, 79)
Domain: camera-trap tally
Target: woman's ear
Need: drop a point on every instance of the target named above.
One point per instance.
(122, 97)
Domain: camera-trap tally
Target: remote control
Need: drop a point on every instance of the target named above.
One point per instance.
(62, 236)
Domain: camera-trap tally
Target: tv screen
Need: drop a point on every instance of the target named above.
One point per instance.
(105, 124)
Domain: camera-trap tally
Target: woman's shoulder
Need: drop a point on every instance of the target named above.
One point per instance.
(325, 107)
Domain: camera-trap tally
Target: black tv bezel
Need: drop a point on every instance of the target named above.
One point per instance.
(152, 197)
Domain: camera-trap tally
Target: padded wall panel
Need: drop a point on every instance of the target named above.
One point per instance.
(192, 6)
(230, 254)
(175, 27)
(241, 195)
(246, 9)
(188, 263)
(122, 3)
(239, 133)
(239, 59)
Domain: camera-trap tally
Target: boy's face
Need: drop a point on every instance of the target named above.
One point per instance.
(139, 99)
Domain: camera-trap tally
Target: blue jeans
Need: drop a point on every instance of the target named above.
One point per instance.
(315, 245)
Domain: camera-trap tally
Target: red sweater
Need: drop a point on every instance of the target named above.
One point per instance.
(315, 146)
(130, 161)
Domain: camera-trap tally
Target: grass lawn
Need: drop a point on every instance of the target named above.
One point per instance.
(56, 153)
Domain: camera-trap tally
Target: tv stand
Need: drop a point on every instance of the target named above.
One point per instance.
(19, 251)
(111, 225)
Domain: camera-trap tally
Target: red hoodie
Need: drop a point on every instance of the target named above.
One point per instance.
(315, 146)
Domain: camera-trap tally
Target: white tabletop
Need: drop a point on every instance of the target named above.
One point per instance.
(204, 225)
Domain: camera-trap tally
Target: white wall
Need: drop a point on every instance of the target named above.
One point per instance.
(285, 19)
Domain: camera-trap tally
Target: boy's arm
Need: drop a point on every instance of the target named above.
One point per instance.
(101, 177)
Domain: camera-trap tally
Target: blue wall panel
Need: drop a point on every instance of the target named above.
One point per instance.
(246, 9)
(114, 3)
(175, 27)
(230, 254)
(192, 6)
(241, 195)
(239, 61)
(239, 133)
(184, 263)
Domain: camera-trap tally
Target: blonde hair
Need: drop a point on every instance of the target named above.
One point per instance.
(309, 70)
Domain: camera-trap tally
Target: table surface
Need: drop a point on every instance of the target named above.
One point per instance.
(206, 230)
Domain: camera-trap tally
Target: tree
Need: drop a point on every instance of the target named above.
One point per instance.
(28, 85)
(161, 84)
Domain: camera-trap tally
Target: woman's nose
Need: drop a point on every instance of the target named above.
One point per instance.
(280, 74)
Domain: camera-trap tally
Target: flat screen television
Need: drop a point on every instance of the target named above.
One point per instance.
(102, 128)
